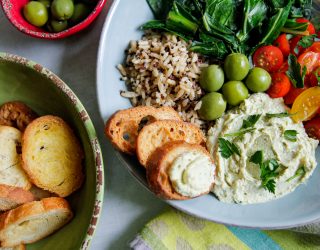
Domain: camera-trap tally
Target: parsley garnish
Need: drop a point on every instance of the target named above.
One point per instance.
(250, 121)
(300, 171)
(227, 148)
(268, 170)
(307, 41)
(240, 132)
(291, 135)
(279, 115)
(295, 73)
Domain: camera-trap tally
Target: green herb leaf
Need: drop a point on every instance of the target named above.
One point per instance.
(268, 170)
(227, 148)
(300, 172)
(307, 41)
(279, 115)
(250, 121)
(291, 135)
(257, 157)
(294, 72)
(240, 132)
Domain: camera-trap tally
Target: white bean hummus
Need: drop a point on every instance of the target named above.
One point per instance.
(239, 179)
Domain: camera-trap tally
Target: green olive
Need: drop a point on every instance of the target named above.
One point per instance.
(212, 107)
(234, 92)
(46, 3)
(35, 13)
(58, 26)
(258, 80)
(62, 9)
(212, 78)
(81, 11)
(236, 66)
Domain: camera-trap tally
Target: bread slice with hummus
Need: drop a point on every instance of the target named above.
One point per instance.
(11, 172)
(123, 127)
(11, 197)
(180, 171)
(159, 133)
(33, 221)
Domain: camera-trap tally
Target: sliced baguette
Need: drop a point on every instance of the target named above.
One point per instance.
(33, 221)
(158, 133)
(19, 247)
(160, 162)
(52, 155)
(123, 127)
(16, 114)
(11, 172)
(11, 197)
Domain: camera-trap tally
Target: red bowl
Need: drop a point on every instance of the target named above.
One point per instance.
(13, 10)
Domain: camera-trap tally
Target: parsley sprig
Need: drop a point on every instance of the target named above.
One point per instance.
(278, 115)
(268, 170)
(295, 73)
(250, 121)
(290, 135)
(227, 148)
(300, 172)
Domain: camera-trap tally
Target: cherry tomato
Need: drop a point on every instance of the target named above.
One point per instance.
(312, 128)
(315, 47)
(293, 94)
(268, 57)
(312, 78)
(294, 47)
(310, 28)
(283, 44)
(306, 105)
(280, 85)
(310, 60)
(284, 67)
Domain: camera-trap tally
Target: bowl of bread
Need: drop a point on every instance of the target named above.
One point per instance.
(51, 169)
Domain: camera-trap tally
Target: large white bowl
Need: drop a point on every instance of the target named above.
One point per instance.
(122, 25)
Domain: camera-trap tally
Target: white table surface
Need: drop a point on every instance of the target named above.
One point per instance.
(127, 205)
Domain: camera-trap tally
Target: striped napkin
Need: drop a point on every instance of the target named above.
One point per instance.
(176, 230)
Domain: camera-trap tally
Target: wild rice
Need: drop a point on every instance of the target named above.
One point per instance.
(160, 71)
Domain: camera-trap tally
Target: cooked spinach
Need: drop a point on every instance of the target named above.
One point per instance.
(219, 27)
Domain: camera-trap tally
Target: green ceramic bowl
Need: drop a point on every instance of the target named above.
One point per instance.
(44, 92)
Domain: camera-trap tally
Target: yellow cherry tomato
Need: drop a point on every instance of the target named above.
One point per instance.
(306, 104)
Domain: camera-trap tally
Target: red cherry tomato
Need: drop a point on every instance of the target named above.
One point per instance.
(283, 44)
(293, 94)
(312, 128)
(310, 28)
(315, 47)
(268, 57)
(280, 85)
(312, 78)
(310, 60)
(284, 67)
(294, 47)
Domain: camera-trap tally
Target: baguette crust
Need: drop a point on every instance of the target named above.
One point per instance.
(159, 165)
(16, 114)
(11, 197)
(52, 155)
(17, 225)
(123, 127)
(19, 247)
(159, 133)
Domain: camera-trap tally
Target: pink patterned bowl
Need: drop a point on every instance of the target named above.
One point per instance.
(13, 11)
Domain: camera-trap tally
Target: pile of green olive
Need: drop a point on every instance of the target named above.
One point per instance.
(240, 80)
(56, 15)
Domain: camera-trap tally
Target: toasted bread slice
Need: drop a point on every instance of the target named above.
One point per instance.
(52, 155)
(123, 127)
(160, 162)
(16, 114)
(19, 247)
(11, 172)
(11, 197)
(33, 221)
(158, 133)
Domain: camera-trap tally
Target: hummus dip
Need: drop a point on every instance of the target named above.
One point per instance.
(238, 179)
